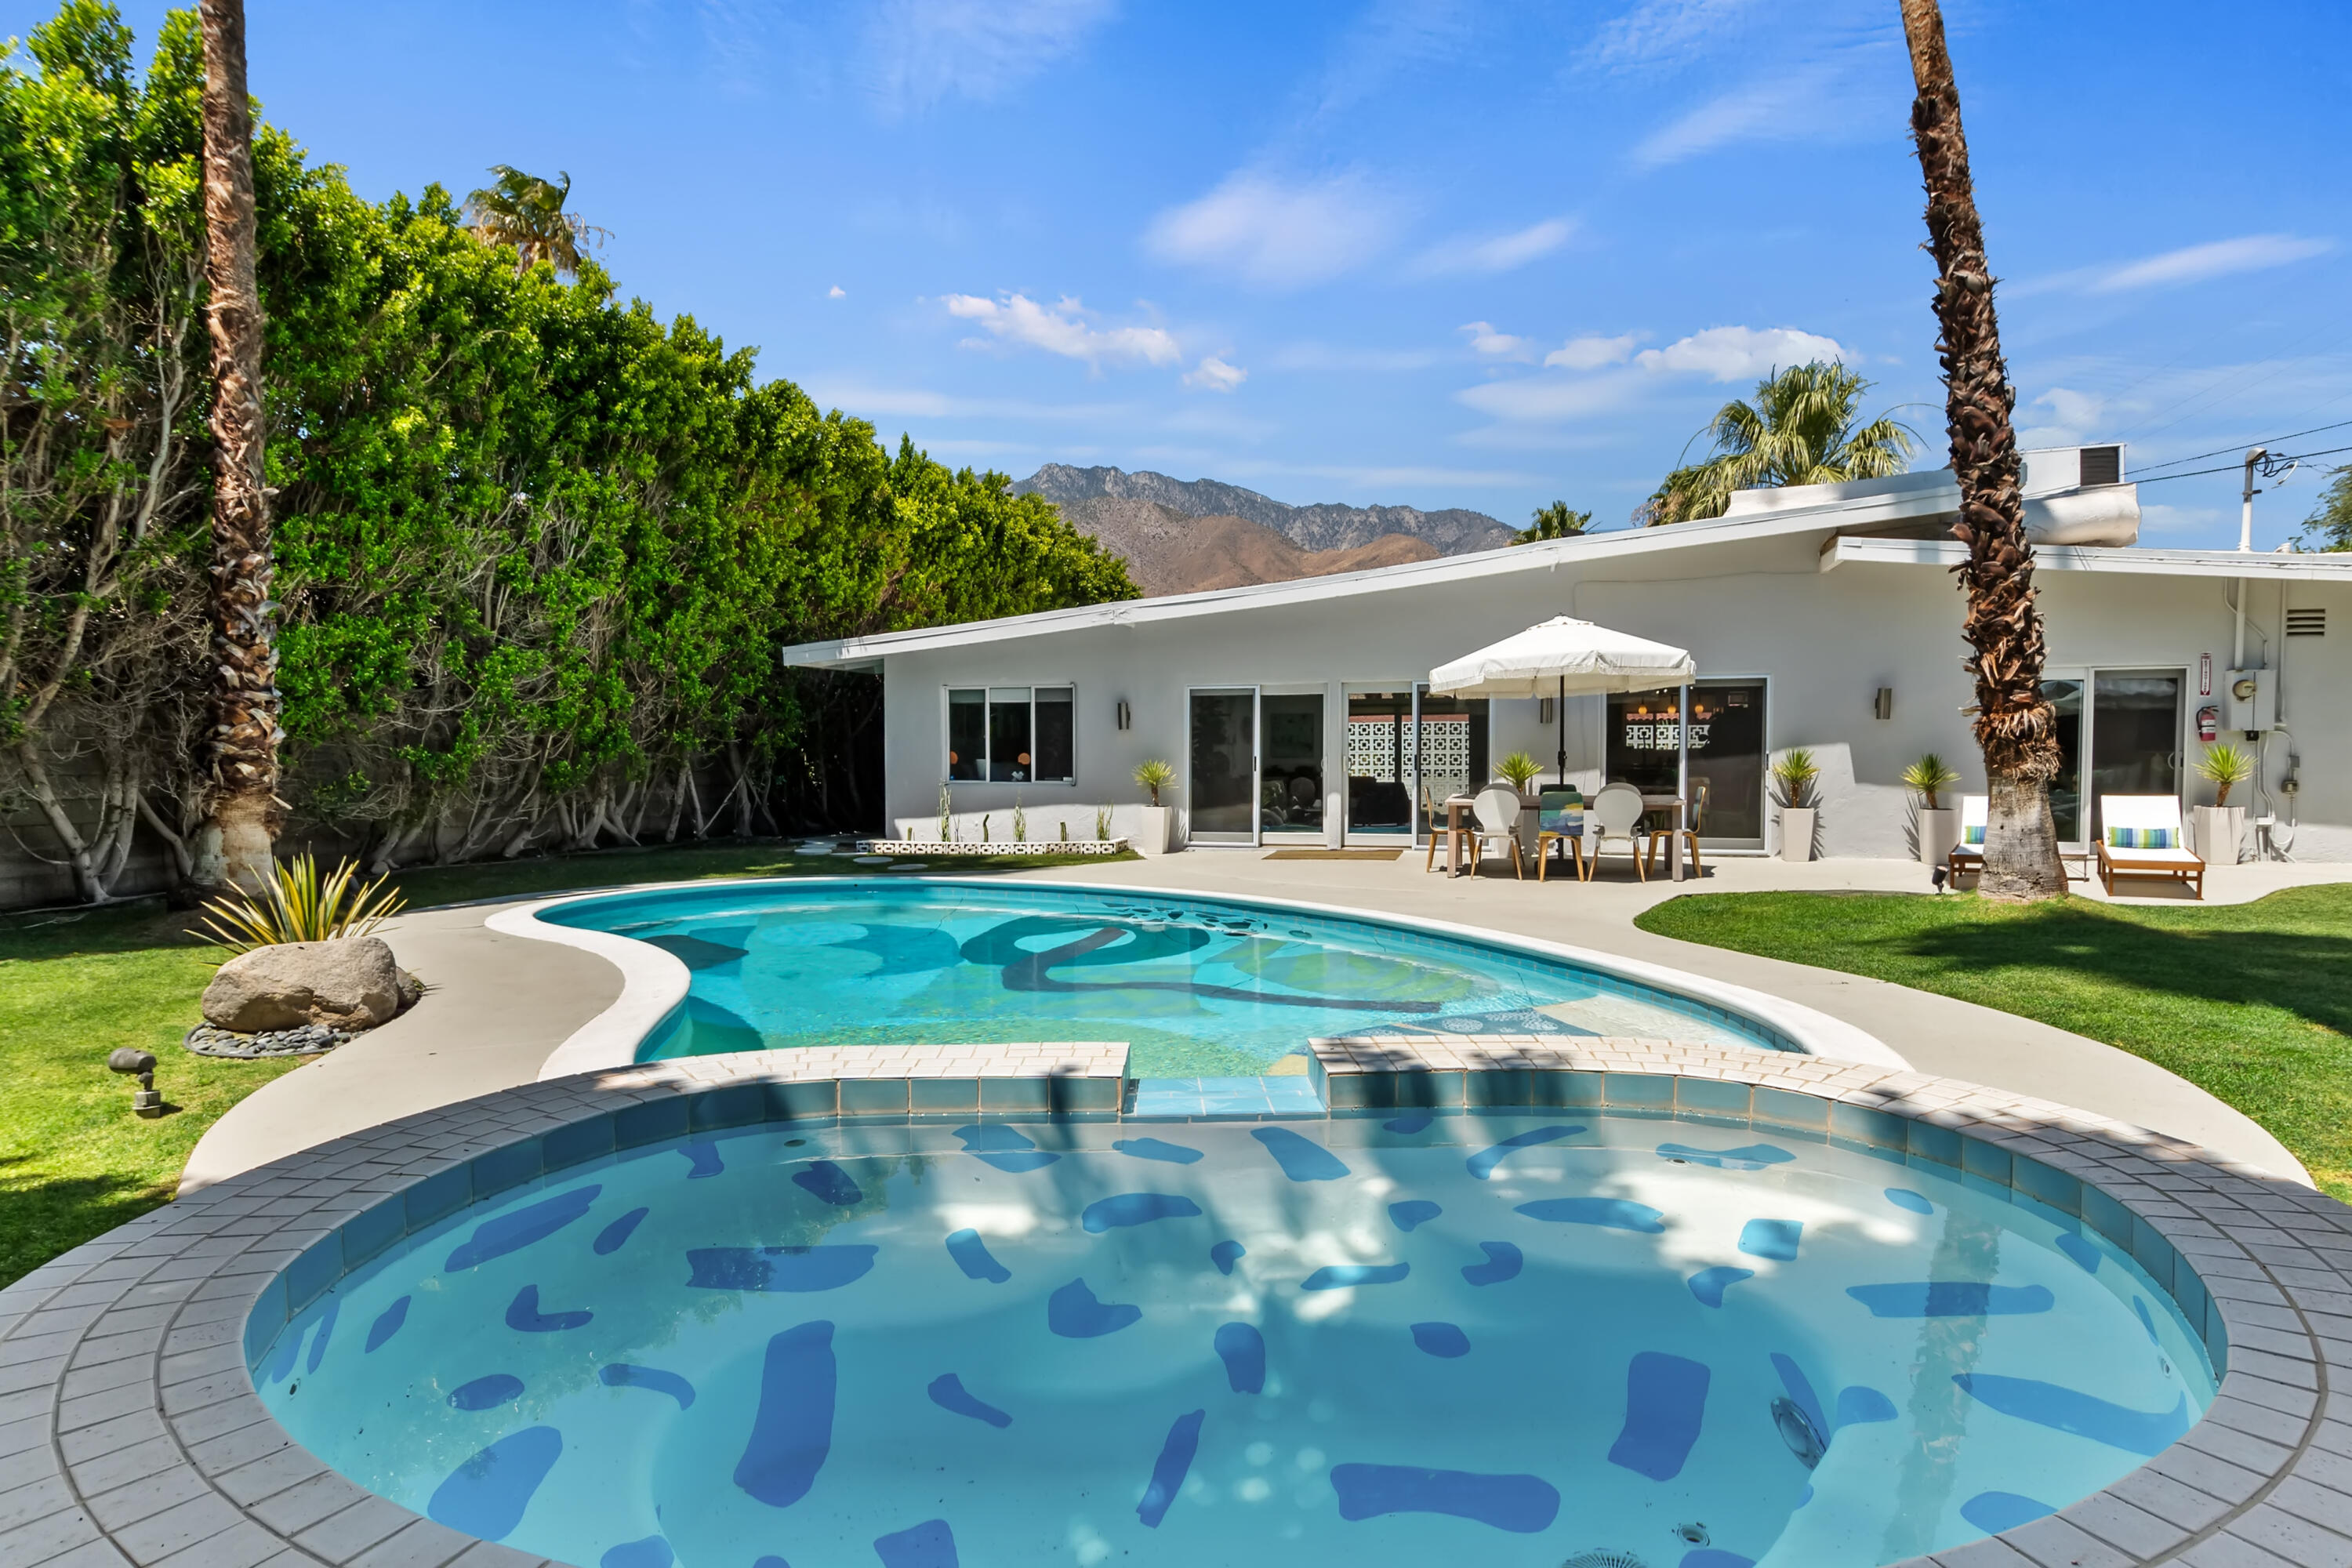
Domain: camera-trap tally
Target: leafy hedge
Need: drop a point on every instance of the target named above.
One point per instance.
(536, 548)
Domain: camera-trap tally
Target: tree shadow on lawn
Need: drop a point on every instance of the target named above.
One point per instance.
(41, 1216)
(2307, 973)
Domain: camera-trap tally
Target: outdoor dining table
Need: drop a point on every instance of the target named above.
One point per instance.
(1457, 831)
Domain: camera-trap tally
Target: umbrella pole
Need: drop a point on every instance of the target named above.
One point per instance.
(1682, 777)
(1559, 711)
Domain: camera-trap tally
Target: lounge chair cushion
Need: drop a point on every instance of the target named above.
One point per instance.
(2140, 838)
(2166, 857)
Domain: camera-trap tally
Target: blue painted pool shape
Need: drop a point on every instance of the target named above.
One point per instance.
(936, 1345)
(1194, 986)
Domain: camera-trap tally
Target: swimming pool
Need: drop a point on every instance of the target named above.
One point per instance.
(1195, 986)
(1512, 1339)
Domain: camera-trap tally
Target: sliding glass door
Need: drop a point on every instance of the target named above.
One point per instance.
(1727, 754)
(2130, 745)
(1380, 765)
(1291, 767)
(1221, 789)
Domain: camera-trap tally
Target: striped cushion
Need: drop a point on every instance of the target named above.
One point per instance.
(2139, 838)
(1973, 832)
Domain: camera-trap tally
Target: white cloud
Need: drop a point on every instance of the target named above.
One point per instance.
(925, 51)
(1485, 341)
(1541, 399)
(2220, 258)
(1733, 353)
(1062, 328)
(1654, 31)
(1784, 107)
(1214, 375)
(1278, 234)
(1495, 253)
(836, 292)
(1592, 352)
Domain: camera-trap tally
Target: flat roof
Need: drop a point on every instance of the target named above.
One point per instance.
(1893, 505)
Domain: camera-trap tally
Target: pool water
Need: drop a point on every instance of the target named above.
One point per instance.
(1505, 1340)
(1195, 987)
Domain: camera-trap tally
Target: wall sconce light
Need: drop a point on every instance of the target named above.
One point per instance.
(1883, 706)
(1544, 709)
(1126, 715)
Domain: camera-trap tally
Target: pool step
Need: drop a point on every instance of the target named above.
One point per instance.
(1225, 1099)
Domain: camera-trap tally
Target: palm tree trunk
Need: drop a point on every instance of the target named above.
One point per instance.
(241, 814)
(2015, 726)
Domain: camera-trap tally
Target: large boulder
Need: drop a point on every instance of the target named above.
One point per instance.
(351, 982)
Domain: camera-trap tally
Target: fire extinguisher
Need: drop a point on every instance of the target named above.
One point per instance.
(2208, 719)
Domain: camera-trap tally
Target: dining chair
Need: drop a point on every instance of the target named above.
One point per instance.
(1497, 809)
(1694, 825)
(1559, 814)
(1614, 817)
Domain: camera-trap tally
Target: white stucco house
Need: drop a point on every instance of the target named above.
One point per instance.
(1823, 616)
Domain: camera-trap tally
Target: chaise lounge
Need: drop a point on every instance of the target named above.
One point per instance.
(2142, 838)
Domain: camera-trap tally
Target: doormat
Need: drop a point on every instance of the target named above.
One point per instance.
(1334, 853)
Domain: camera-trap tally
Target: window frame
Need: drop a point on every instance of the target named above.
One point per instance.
(987, 702)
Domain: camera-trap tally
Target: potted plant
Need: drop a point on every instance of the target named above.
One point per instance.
(1152, 837)
(1940, 825)
(2220, 826)
(1519, 771)
(1795, 771)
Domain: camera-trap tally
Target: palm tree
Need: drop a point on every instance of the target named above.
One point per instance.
(234, 846)
(1800, 430)
(1553, 521)
(2015, 725)
(527, 212)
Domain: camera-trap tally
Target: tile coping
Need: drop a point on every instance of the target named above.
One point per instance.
(130, 1432)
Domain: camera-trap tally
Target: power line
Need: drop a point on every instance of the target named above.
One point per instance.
(2290, 435)
(2233, 468)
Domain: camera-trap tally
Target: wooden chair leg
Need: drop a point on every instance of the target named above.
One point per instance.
(1642, 868)
(1691, 838)
(1517, 869)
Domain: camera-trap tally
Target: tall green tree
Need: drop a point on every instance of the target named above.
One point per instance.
(535, 548)
(236, 844)
(2330, 526)
(1802, 427)
(1553, 521)
(2016, 727)
(527, 213)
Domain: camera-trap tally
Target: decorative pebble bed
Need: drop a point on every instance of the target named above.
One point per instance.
(309, 1039)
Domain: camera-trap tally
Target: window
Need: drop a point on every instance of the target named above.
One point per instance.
(1013, 734)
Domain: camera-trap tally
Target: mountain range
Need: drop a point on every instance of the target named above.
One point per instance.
(1182, 536)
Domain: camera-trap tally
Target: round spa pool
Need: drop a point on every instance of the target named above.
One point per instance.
(1195, 986)
(1503, 1340)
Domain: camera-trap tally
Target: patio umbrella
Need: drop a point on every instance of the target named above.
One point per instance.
(1564, 655)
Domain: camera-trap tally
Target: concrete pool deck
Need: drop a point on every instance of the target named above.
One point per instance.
(499, 1005)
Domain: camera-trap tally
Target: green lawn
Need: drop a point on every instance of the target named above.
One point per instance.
(2251, 1001)
(74, 1162)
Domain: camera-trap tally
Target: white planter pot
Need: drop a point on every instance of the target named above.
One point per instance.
(1797, 832)
(1155, 824)
(1938, 831)
(2221, 830)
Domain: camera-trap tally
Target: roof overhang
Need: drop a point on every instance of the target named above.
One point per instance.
(1848, 550)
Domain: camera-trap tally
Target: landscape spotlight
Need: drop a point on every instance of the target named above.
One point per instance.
(146, 1102)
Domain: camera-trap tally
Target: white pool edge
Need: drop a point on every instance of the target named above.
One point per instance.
(654, 982)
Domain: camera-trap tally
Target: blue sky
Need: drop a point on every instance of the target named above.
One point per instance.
(1434, 251)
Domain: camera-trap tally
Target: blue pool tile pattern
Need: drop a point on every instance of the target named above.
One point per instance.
(1333, 1340)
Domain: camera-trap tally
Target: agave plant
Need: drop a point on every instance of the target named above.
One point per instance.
(296, 906)
(1930, 776)
(1517, 769)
